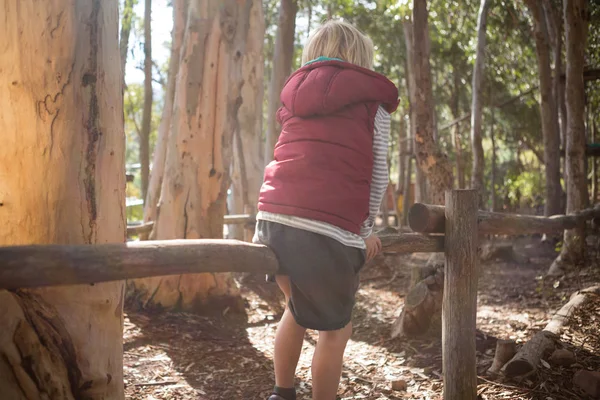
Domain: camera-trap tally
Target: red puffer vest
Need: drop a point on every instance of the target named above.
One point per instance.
(323, 160)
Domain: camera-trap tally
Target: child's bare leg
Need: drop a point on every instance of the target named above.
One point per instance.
(327, 362)
(288, 341)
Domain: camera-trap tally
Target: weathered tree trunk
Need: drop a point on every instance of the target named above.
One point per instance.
(549, 110)
(248, 168)
(126, 21)
(594, 165)
(460, 169)
(420, 177)
(494, 168)
(407, 193)
(554, 24)
(576, 29)
(180, 8)
(282, 67)
(147, 111)
(199, 153)
(429, 157)
(477, 106)
(403, 137)
(62, 181)
(416, 319)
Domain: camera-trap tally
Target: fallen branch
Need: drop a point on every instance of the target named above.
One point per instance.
(526, 361)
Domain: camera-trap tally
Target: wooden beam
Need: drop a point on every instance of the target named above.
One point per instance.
(427, 218)
(40, 265)
(137, 229)
(459, 309)
(238, 219)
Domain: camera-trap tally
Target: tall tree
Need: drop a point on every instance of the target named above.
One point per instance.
(199, 153)
(282, 67)
(420, 177)
(554, 23)
(180, 8)
(62, 181)
(549, 110)
(147, 112)
(429, 156)
(126, 23)
(248, 168)
(477, 103)
(460, 169)
(576, 30)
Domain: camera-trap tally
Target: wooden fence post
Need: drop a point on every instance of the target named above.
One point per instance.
(460, 296)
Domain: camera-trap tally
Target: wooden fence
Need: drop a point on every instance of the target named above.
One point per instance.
(459, 221)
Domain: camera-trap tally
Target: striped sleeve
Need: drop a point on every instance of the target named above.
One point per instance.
(380, 178)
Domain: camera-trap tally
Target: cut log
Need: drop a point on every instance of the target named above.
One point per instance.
(33, 266)
(426, 218)
(421, 302)
(505, 350)
(526, 361)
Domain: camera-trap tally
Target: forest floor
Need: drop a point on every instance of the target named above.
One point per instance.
(186, 356)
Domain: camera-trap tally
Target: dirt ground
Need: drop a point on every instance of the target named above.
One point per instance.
(185, 356)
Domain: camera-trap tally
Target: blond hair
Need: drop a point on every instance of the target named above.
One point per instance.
(339, 39)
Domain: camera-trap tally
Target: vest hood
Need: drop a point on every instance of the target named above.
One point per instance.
(326, 87)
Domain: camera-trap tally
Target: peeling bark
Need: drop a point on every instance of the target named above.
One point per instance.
(62, 181)
(429, 157)
(207, 100)
(180, 8)
(248, 168)
(282, 67)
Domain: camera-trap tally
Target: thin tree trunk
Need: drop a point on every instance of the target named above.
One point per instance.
(476, 107)
(460, 170)
(429, 157)
(403, 137)
(199, 155)
(282, 67)
(62, 181)
(494, 167)
(576, 30)
(126, 22)
(549, 110)
(556, 29)
(420, 177)
(147, 111)
(594, 165)
(248, 168)
(180, 8)
(407, 193)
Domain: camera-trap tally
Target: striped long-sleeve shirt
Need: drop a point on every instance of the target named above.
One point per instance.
(379, 183)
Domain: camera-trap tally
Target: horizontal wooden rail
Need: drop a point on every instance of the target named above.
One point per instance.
(52, 265)
(137, 229)
(426, 218)
(237, 219)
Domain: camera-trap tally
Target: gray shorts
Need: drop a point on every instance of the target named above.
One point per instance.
(323, 274)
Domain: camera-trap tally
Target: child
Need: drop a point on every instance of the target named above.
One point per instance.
(320, 196)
